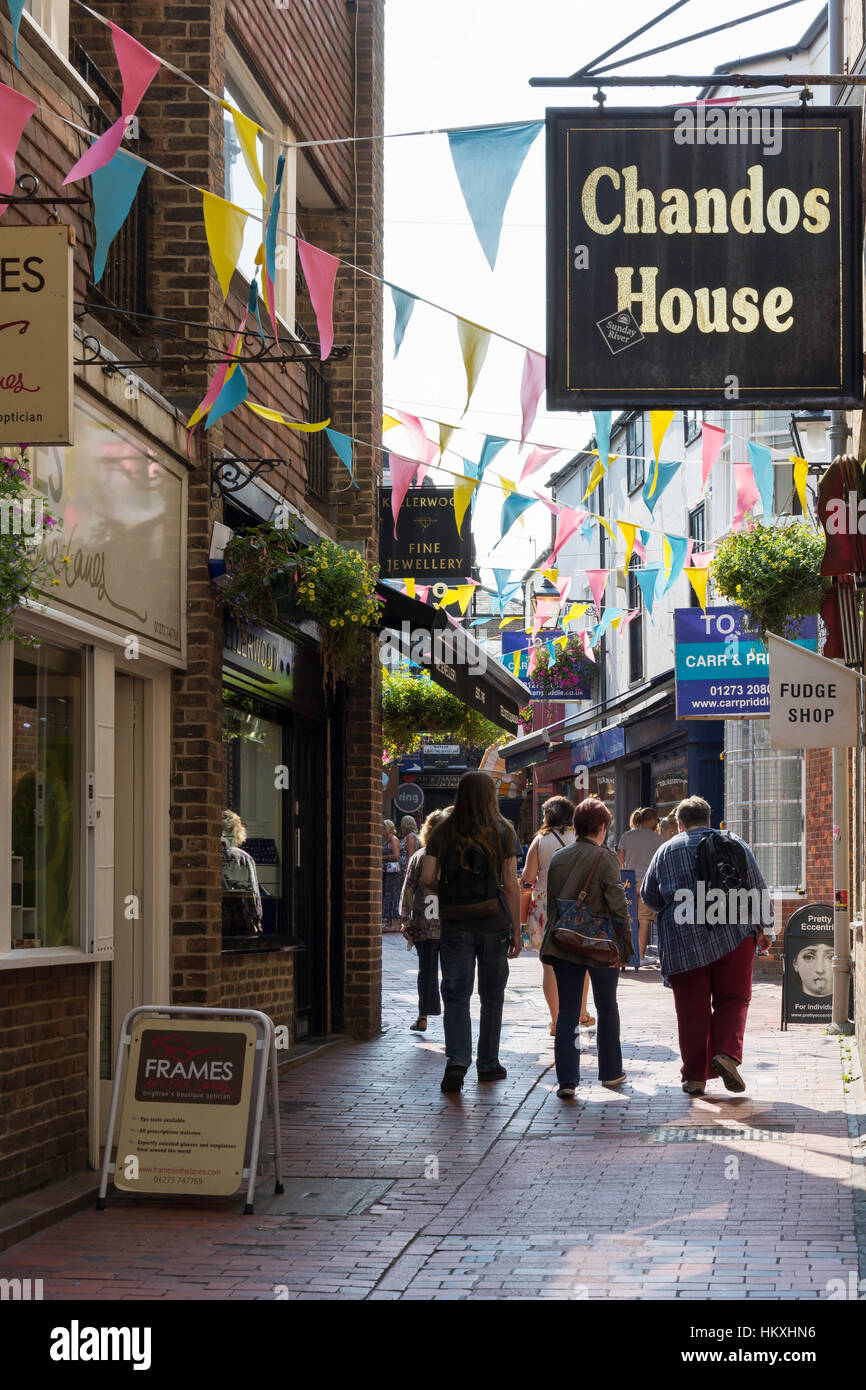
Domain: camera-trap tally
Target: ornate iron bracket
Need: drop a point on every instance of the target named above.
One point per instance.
(226, 475)
(30, 184)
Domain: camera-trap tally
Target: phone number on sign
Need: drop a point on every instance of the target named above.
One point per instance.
(739, 689)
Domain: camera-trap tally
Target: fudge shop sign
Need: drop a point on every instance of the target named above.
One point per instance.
(35, 335)
(704, 259)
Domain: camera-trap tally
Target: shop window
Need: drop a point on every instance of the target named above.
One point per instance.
(634, 448)
(256, 791)
(669, 789)
(764, 801)
(47, 764)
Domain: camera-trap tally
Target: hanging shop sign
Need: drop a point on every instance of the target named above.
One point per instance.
(807, 966)
(703, 257)
(722, 671)
(428, 546)
(409, 799)
(36, 335)
(552, 690)
(813, 702)
(440, 754)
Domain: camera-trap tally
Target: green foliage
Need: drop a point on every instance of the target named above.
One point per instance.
(415, 710)
(572, 670)
(267, 570)
(22, 565)
(772, 572)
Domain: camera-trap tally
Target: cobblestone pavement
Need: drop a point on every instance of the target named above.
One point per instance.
(506, 1191)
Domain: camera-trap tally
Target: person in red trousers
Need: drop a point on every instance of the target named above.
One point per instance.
(707, 942)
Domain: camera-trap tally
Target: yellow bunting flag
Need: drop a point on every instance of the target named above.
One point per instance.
(552, 575)
(576, 611)
(463, 490)
(474, 342)
(628, 529)
(449, 597)
(597, 475)
(248, 132)
(410, 587)
(445, 433)
(279, 419)
(659, 421)
(517, 656)
(507, 485)
(464, 593)
(224, 226)
(698, 580)
(603, 521)
(615, 622)
(389, 423)
(560, 641)
(506, 621)
(801, 472)
(668, 556)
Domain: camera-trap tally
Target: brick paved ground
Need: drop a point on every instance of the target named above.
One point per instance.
(534, 1198)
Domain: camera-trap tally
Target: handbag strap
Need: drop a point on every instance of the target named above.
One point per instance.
(583, 892)
(559, 837)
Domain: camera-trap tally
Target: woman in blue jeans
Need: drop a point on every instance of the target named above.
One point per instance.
(587, 861)
(471, 866)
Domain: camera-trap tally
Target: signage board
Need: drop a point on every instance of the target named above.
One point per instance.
(409, 799)
(813, 702)
(517, 641)
(807, 994)
(603, 747)
(440, 754)
(695, 267)
(722, 671)
(36, 334)
(186, 1106)
(441, 781)
(427, 547)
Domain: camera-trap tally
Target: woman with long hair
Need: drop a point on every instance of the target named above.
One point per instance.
(392, 879)
(408, 836)
(471, 865)
(556, 832)
(421, 929)
(587, 867)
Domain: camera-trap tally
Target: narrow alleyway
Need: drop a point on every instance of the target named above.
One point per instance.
(507, 1191)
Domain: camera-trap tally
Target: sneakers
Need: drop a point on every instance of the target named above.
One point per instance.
(497, 1073)
(617, 1081)
(453, 1078)
(726, 1068)
(694, 1088)
(566, 1092)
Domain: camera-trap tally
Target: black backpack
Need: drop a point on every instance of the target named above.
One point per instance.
(722, 862)
(469, 889)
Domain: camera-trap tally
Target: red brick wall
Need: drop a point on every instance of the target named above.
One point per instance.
(260, 981)
(43, 1076)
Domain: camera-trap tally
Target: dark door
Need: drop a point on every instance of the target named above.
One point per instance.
(309, 857)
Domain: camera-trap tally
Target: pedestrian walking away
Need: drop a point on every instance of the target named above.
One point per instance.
(392, 878)
(713, 911)
(556, 832)
(586, 871)
(636, 848)
(471, 864)
(421, 928)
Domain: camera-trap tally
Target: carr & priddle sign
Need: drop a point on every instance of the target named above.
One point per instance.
(700, 266)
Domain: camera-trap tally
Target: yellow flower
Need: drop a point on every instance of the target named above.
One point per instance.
(67, 559)
(333, 622)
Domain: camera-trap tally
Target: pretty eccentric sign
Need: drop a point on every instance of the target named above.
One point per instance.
(715, 263)
(36, 335)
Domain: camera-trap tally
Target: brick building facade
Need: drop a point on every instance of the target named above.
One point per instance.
(163, 782)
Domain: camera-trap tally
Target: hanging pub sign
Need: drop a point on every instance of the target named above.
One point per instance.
(704, 257)
(427, 546)
(36, 335)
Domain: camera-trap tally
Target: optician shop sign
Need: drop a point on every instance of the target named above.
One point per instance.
(36, 335)
(704, 258)
(722, 671)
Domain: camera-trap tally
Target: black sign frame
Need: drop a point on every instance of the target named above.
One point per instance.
(694, 367)
(439, 523)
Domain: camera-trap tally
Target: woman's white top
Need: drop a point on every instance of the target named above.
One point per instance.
(546, 847)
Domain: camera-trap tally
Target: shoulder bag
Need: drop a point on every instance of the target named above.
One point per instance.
(589, 936)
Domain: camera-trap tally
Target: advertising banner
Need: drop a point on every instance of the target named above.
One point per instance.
(807, 994)
(722, 671)
(700, 257)
(36, 335)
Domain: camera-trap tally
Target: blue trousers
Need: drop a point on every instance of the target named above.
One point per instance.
(569, 983)
(460, 952)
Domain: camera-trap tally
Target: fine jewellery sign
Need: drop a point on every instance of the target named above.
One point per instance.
(704, 259)
(36, 335)
(428, 546)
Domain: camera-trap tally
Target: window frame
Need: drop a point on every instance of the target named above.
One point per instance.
(635, 459)
(747, 754)
(691, 430)
(634, 598)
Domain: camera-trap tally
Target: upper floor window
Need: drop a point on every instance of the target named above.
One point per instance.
(635, 627)
(52, 16)
(634, 448)
(691, 424)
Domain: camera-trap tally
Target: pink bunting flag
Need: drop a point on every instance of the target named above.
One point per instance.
(138, 67)
(15, 112)
(554, 507)
(537, 459)
(701, 558)
(402, 473)
(587, 645)
(712, 439)
(747, 492)
(218, 379)
(320, 271)
(629, 617)
(421, 592)
(416, 432)
(537, 625)
(432, 453)
(597, 582)
(567, 523)
(533, 660)
(564, 587)
(531, 386)
(639, 549)
(689, 548)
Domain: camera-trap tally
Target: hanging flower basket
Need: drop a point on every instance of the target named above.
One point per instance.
(269, 576)
(773, 573)
(415, 709)
(24, 522)
(571, 673)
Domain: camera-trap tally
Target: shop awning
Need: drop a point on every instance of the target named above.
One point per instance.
(454, 659)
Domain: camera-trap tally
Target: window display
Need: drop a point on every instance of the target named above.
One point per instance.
(256, 787)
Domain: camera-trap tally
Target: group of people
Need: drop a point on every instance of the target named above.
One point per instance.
(462, 908)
